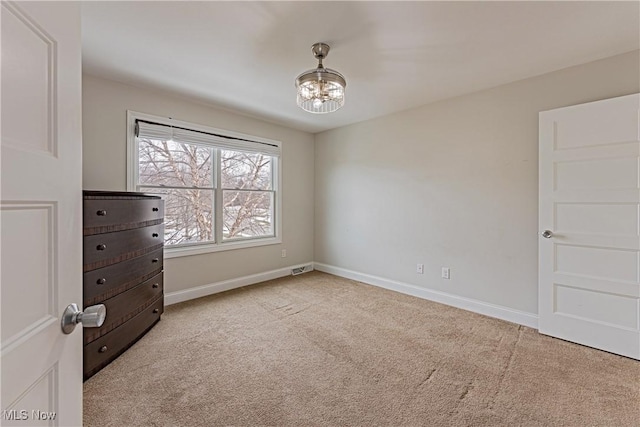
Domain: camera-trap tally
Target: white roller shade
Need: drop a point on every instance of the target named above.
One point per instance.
(165, 132)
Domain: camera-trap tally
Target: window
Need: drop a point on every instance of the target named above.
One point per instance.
(221, 189)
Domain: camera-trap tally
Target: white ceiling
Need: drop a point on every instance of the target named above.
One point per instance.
(245, 56)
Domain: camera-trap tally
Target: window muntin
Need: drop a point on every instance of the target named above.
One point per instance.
(214, 195)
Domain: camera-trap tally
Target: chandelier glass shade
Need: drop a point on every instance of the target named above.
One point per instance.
(320, 90)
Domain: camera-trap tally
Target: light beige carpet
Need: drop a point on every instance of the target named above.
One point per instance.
(318, 350)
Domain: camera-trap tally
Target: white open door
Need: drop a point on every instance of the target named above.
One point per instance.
(40, 213)
(589, 271)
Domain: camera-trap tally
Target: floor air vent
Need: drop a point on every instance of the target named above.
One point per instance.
(299, 270)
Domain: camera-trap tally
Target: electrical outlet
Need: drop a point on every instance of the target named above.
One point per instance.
(284, 253)
(446, 273)
(420, 269)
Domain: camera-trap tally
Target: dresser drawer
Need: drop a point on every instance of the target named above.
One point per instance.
(106, 348)
(101, 250)
(104, 283)
(116, 215)
(126, 305)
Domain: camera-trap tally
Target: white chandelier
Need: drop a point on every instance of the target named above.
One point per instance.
(320, 90)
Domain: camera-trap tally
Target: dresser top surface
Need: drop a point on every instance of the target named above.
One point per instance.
(111, 195)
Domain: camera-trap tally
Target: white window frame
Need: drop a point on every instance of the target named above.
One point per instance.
(219, 244)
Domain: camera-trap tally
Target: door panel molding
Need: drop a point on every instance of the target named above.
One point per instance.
(18, 21)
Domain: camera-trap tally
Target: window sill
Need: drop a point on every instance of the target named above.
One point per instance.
(178, 252)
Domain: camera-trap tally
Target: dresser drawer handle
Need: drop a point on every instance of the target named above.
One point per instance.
(101, 281)
(101, 212)
(155, 310)
(155, 286)
(101, 247)
(103, 349)
(154, 235)
(155, 260)
(155, 209)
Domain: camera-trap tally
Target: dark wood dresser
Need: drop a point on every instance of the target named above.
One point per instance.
(122, 269)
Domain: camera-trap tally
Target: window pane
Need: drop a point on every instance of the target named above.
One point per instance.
(188, 215)
(247, 214)
(174, 164)
(246, 171)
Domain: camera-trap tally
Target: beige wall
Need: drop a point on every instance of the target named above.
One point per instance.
(453, 184)
(105, 104)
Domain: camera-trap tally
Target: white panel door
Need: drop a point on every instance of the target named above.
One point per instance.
(40, 213)
(589, 267)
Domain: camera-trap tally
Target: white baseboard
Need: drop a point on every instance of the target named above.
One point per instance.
(226, 285)
(488, 309)
(500, 312)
